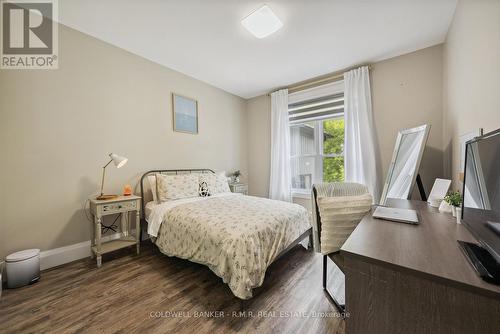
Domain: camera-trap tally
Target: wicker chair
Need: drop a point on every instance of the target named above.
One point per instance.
(338, 208)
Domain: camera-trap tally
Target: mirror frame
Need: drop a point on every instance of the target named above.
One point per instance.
(426, 128)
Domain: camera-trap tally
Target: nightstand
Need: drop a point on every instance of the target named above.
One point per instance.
(241, 188)
(124, 205)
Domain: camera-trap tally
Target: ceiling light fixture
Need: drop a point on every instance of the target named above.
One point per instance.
(262, 22)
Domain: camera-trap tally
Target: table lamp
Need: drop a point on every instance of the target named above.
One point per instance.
(119, 162)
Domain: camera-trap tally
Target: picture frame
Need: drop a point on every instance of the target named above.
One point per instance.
(185, 114)
(464, 138)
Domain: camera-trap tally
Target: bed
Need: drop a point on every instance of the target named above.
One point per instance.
(235, 235)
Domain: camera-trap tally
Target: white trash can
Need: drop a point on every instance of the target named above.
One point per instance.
(22, 268)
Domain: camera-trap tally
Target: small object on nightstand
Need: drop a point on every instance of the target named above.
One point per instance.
(123, 205)
(127, 190)
(239, 187)
(236, 176)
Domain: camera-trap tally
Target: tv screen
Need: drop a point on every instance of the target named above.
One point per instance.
(481, 204)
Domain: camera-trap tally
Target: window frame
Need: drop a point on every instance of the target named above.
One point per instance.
(319, 153)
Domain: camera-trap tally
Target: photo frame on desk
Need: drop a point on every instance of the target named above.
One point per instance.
(463, 140)
(438, 191)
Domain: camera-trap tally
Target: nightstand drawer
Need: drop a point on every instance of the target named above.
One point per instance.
(239, 188)
(119, 207)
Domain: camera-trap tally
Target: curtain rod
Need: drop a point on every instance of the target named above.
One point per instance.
(318, 81)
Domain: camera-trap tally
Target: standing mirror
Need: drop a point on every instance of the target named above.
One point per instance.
(405, 163)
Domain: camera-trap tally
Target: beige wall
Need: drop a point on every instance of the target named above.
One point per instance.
(57, 127)
(259, 145)
(406, 92)
(471, 76)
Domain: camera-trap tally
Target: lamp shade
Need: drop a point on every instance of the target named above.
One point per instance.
(119, 161)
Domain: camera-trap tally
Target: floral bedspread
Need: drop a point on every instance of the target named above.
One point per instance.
(237, 237)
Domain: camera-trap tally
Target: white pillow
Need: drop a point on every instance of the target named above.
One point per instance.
(152, 185)
(170, 187)
(217, 183)
(221, 183)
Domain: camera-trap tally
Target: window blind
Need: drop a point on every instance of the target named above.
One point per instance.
(318, 108)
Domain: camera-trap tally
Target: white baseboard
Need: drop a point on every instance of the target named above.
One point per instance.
(58, 256)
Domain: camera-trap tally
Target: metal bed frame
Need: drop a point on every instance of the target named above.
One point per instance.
(304, 235)
(167, 171)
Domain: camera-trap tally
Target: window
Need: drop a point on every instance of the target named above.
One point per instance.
(317, 141)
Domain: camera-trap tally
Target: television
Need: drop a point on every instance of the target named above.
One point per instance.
(481, 204)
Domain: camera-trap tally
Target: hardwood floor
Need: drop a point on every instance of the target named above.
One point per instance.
(132, 294)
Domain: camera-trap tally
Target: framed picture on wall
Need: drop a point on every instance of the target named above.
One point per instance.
(185, 114)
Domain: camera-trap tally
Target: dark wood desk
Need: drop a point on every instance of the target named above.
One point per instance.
(403, 278)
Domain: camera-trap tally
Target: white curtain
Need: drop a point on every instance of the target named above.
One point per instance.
(280, 186)
(360, 141)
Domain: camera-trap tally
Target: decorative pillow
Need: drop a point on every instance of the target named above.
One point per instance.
(221, 185)
(204, 191)
(152, 186)
(217, 183)
(169, 187)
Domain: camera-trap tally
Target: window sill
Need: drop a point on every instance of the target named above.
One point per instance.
(304, 195)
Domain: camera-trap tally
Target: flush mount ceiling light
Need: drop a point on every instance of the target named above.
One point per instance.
(262, 22)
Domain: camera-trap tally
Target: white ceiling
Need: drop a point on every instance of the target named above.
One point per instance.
(205, 39)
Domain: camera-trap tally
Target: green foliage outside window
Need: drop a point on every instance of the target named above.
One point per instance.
(333, 143)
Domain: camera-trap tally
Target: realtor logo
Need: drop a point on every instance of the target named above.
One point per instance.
(29, 38)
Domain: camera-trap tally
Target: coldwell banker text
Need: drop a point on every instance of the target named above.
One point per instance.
(29, 34)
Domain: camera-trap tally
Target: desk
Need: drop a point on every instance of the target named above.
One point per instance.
(403, 278)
